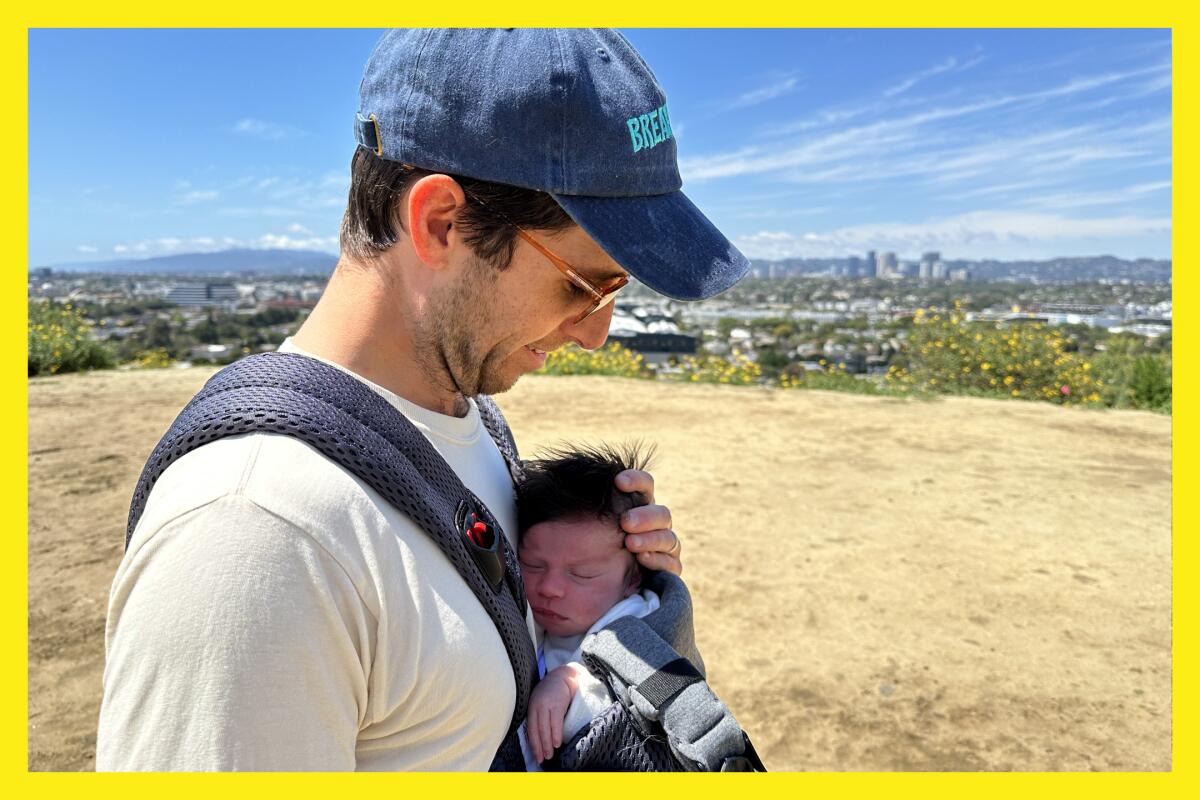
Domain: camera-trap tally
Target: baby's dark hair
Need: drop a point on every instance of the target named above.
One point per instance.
(577, 481)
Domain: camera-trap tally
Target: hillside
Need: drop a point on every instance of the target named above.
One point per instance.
(880, 584)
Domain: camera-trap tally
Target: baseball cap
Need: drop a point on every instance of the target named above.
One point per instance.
(576, 113)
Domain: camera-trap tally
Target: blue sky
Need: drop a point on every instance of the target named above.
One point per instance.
(976, 143)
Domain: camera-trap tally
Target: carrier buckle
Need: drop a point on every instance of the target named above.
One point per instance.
(483, 543)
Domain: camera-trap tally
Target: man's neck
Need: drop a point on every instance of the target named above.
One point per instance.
(364, 323)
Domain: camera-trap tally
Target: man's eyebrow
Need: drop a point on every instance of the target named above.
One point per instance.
(606, 276)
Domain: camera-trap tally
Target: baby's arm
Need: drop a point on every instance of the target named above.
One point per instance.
(547, 706)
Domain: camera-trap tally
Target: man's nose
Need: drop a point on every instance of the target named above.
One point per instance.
(591, 333)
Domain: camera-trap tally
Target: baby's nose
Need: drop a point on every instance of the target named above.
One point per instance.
(550, 586)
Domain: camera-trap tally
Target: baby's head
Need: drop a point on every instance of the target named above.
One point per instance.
(572, 548)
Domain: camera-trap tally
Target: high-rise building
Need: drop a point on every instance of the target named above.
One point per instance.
(871, 268)
(888, 264)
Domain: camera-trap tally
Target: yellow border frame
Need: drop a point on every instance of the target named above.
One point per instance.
(222, 13)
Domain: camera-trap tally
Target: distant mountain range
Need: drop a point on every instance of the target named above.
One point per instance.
(313, 262)
(222, 262)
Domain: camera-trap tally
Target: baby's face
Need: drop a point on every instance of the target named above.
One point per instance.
(575, 569)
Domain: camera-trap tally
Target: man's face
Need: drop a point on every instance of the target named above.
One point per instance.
(575, 569)
(491, 326)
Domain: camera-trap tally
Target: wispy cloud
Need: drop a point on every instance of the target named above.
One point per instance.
(261, 211)
(924, 143)
(783, 213)
(261, 129)
(762, 94)
(286, 196)
(1127, 194)
(988, 230)
(87, 248)
(951, 64)
(197, 196)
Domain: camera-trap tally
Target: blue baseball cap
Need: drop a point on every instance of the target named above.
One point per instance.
(573, 112)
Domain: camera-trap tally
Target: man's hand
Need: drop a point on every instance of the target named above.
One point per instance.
(648, 528)
(547, 707)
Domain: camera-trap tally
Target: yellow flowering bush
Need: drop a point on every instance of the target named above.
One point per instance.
(737, 370)
(611, 360)
(59, 341)
(153, 359)
(946, 354)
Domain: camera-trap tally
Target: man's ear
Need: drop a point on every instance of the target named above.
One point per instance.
(433, 204)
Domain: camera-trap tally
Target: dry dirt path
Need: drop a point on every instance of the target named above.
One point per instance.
(880, 584)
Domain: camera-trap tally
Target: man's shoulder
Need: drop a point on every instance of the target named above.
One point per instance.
(279, 474)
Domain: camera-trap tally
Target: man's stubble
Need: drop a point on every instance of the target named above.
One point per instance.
(451, 344)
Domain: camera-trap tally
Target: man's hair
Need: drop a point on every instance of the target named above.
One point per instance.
(573, 481)
(372, 221)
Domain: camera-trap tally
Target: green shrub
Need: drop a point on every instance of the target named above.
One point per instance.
(836, 379)
(944, 353)
(59, 341)
(1151, 384)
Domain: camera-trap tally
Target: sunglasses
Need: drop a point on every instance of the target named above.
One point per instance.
(601, 294)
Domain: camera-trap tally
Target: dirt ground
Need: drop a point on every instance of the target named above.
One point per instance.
(880, 584)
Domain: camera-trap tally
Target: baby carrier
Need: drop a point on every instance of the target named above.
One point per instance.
(664, 716)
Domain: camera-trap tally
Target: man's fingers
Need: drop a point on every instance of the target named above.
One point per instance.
(661, 561)
(636, 480)
(653, 541)
(646, 519)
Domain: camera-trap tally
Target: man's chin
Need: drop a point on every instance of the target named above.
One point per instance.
(501, 379)
(498, 382)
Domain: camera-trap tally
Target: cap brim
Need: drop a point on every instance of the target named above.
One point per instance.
(662, 240)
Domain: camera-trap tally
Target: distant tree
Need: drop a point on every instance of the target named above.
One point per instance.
(772, 361)
(206, 331)
(1151, 383)
(157, 335)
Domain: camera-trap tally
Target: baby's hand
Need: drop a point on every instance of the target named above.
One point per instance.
(547, 707)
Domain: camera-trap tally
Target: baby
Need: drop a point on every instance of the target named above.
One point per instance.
(578, 578)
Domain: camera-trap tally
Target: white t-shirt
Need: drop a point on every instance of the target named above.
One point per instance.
(272, 612)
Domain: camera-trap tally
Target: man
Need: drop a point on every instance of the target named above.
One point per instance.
(274, 612)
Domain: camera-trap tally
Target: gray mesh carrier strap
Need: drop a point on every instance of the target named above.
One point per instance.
(665, 717)
(355, 427)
